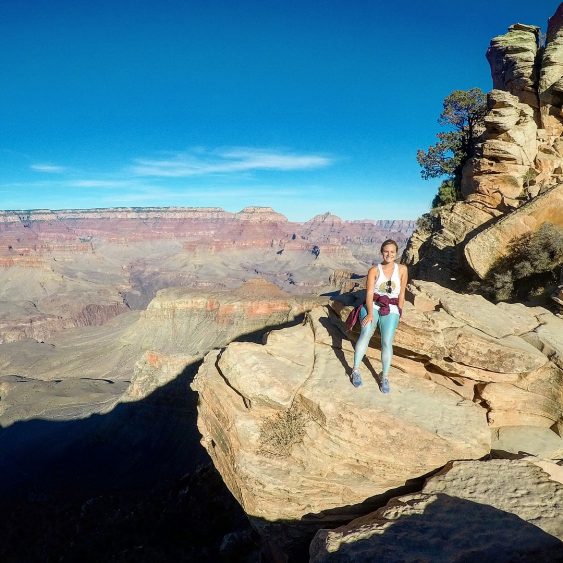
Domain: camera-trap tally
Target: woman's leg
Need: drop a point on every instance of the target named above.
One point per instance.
(365, 336)
(387, 327)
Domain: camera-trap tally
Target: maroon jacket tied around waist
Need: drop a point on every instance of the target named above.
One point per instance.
(384, 301)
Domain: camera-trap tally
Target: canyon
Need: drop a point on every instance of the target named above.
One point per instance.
(64, 269)
(174, 383)
(105, 317)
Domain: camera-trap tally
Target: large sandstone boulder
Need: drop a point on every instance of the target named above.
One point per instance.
(497, 510)
(484, 249)
(295, 442)
(300, 447)
(505, 357)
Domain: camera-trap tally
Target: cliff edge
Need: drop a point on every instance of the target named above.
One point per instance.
(300, 448)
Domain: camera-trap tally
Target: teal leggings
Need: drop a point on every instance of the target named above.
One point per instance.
(387, 327)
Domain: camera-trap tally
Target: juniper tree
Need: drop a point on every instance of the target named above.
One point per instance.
(463, 112)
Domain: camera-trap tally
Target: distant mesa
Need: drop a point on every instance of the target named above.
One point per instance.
(91, 264)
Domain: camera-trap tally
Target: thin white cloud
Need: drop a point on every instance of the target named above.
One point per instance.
(200, 162)
(88, 183)
(48, 168)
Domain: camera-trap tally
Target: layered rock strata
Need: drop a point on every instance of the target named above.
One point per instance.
(39, 232)
(181, 325)
(91, 368)
(295, 442)
(70, 268)
(518, 157)
(496, 510)
(507, 358)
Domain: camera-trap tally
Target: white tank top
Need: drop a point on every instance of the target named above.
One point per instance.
(382, 285)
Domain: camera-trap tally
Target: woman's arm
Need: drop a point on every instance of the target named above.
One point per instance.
(369, 295)
(404, 275)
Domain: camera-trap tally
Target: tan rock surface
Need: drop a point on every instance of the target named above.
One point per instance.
(497, 510)
(508, 441)
(493, 243)
(512, 406)
(550, 334)
(317, 444)
(515, 374)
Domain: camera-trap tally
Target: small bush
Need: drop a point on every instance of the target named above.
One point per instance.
(281, 432)
(447, 193)
(427, 223)
(531, 268)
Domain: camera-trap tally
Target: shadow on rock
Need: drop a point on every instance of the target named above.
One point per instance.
(438, 528)
(133, 484)
(338, 337)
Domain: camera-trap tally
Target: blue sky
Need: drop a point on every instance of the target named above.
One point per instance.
(303, 105)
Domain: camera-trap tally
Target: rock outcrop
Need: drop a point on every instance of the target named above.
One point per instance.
(496, 510)
(181, 325)
(294, 441)
(298, 445)
(89, 369)
(485, 248)
(519, 157)
(28, 234)
(71, 268)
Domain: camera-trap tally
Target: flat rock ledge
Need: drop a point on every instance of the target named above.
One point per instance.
(497, 510)
(301, 449)
(297, 444)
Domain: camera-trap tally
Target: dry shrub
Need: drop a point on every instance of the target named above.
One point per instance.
(281, 432)
(531, 268)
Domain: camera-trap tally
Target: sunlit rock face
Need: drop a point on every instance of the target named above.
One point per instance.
(519, 158)
(300, 447)
(485, 248)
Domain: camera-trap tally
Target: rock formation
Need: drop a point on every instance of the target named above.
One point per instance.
(82, 370)
(70, 268)
(470, 511)
(519, 158)
(296, 443)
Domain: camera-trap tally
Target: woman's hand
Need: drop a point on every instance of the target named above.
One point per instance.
(367, 319)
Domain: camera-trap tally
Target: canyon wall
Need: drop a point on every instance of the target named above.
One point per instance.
(70, 268)
(519, 158)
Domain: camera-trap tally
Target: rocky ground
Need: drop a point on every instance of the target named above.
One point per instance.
(302, 449)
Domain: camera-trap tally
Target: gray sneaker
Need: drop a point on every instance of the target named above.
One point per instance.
(356, 378)
(384, 384)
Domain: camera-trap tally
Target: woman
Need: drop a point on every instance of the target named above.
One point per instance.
(385, 297)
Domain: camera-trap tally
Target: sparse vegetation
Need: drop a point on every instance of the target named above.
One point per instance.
(531, 269)
(281, 432)
(463, 113)
(427, 223)
(447, 193)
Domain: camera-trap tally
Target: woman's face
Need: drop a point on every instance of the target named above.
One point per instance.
(389, 253)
